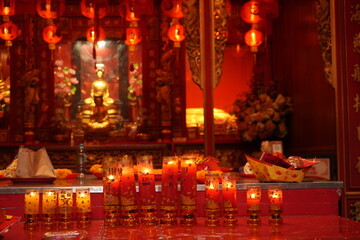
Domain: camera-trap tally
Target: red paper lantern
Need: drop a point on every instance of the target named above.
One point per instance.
(8, 31)
(251, 12)
(50, 9)
(52, 35)
(88, 8)
(7, 7)
(133, 37)
(176, 33)
(172, 8)
(130, 11)
(91, 34)
(254, 38)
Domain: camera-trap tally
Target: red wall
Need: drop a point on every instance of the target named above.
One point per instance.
(237, 70)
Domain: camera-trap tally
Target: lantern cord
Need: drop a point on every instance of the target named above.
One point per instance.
(96, 29)
(8, 56)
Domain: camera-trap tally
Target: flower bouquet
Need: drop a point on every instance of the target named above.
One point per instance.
(261, 117)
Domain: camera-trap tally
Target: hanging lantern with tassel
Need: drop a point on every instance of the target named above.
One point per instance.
(133, 36)
(172, 8)
(88, 8)
(52, 35)
(50, 9)
(91, 34)
(130, 11)
(7, 9)
(8, 31)
(176, 33)
(254, 38)
(251, 12)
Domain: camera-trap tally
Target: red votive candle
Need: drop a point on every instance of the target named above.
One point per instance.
(127, 182)
(111, 183)
(253, 195)
(169, 181)
(188, 180)
(212, 195)
(229, 190)
(275, 195)
(146, 181)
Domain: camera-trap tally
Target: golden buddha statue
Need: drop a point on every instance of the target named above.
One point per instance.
(99, 111)
(99, 88)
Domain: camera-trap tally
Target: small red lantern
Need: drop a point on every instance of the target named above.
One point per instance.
(7, 8)
(172, 8)
(251, 12)
(50, 9)
(133, 36)
(91, 34)
(8, 31)
(88, 8)
(130, 11)
(254, 38)
(52, 35)
(176, 33)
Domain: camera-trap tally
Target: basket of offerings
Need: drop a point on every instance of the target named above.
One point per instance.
(277, 168)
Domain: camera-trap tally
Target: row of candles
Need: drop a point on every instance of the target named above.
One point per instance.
(123, 206)
(120, 202)
(57, 206)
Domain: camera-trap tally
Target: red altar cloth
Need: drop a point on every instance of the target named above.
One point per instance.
(294, 227)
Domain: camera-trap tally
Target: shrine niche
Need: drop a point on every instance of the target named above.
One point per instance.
(144, 48)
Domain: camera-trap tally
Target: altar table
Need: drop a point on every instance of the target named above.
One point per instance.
(294, 227)
(311, 197)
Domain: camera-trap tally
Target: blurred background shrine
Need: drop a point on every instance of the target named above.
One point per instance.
(145, 58)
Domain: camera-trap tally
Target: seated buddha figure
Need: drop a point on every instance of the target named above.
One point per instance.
(99, 88)
(99, 111)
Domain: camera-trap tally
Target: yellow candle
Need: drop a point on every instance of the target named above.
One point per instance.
(31, 202)
(65, 198)
(83, 202)
(275, 195)
(49, 201)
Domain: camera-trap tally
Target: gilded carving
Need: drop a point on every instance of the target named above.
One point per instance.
(358, 130)
(356, 106)
(355, 211)
(324, 33)
(192, 33)
(358, 164)
(356, 74)
(31, 82)
(356, 43)
(165, 76)
(355, 15)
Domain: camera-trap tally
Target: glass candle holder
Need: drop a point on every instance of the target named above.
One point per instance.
(83, 207)
(188, 190)
(276, 199)
(65, 204)
(212, 199)
(147, 198)
(31, 209)
(111, 189)
(229, 198)
(253, 197)
(49, 208)
(169, 190)
(129, 205)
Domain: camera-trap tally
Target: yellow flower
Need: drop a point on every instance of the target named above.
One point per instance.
(62, 173)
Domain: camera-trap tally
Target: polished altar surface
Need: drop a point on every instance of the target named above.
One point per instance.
(96, 185)
(294, 227)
